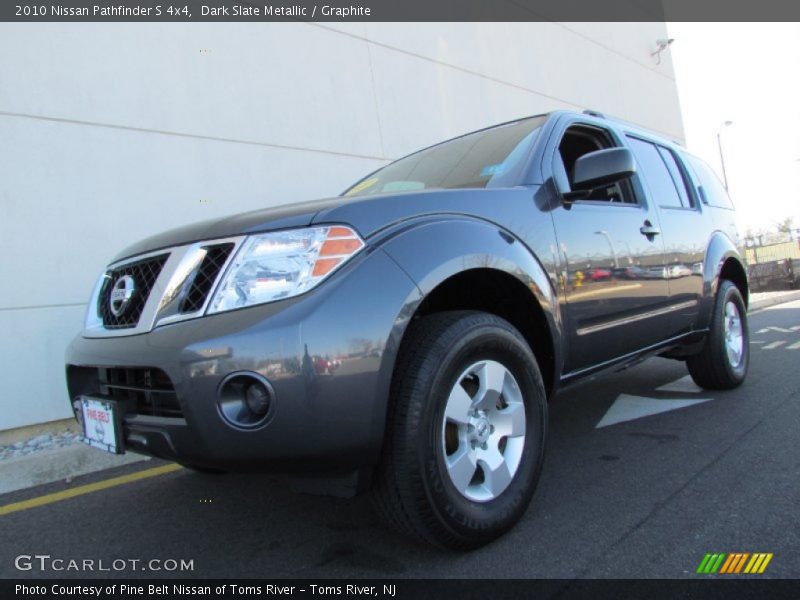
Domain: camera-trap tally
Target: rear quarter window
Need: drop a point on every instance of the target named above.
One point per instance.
(714, 192)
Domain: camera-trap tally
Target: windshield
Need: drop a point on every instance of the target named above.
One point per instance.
(489, 158)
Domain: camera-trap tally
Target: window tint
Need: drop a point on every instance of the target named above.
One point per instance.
(489, 158)
(713, 189)
(656, 173)
(677, 176)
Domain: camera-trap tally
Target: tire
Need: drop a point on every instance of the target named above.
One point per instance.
(443, 361)
(715, 368)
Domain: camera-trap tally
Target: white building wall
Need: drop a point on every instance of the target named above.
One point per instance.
(113, 132)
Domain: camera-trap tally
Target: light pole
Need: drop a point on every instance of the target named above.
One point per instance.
(721, 155)
(604, 233)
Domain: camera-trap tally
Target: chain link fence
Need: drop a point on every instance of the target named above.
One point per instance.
(774, 266)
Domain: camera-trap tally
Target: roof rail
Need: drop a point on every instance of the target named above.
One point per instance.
(594, 113)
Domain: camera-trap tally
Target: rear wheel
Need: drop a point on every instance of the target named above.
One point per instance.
(723, 362)
(465, 440)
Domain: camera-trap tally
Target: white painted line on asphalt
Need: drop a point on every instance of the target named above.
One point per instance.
(683, 385)
(795, 346)
(778, 329)
(774, 345)
(628, 408)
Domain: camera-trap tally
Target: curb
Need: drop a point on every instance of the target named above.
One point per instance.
(22, 434)
(65, 463)
(778, 299)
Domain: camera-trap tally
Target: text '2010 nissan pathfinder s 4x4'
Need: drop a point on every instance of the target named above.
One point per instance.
(409, 333)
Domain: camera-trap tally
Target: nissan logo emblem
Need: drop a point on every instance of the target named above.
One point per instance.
(121, 295)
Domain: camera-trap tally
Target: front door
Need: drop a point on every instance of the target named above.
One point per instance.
(613, 275)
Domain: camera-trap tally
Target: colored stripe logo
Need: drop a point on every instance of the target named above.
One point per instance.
(734, 563)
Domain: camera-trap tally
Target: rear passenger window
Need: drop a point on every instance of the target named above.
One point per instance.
(713, 190)
(658, 176)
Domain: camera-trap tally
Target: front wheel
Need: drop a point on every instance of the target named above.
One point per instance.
(722, 363)
(465, 440)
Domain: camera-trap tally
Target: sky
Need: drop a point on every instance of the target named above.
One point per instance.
(747, 73)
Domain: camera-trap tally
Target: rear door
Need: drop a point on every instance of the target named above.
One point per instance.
(684, 228)
(612, 274)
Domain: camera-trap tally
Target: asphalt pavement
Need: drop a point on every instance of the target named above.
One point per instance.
(640, 496)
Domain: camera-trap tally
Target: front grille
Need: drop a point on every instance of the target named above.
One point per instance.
(206, 275)
(143, 391)
(144, 274)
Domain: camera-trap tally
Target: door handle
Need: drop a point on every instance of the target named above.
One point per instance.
(648, 230)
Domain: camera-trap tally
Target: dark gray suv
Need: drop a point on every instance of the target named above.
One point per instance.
(404, 337)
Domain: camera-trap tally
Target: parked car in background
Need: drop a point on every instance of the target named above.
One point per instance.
(675, 271)
(630, 272)
(462, 286)
(599, 274)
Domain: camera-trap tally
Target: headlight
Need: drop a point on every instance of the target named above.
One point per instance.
(272, 266)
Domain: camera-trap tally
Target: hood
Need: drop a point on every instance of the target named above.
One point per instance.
(279, 217)
(367, 214)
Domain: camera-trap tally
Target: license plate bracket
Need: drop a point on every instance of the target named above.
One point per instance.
(102, 424)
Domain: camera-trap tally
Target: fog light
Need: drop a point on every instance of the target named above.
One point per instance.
(245, 400)
(258, 399)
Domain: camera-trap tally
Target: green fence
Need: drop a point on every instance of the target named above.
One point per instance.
(774, 266)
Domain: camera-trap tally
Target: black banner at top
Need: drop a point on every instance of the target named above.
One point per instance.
(397, 10)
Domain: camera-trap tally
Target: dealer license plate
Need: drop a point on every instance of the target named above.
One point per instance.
(100, 425)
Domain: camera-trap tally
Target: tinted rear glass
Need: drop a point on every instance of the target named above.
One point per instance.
(713, 189)
(677, 176)
(489, 158)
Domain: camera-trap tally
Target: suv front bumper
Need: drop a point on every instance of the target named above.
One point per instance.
(328, 356)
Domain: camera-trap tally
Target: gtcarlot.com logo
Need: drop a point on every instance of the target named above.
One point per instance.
(45, 562)
(734, 563)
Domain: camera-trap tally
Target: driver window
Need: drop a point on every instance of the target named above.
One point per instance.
(583, 139)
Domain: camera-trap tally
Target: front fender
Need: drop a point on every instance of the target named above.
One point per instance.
(433, 249)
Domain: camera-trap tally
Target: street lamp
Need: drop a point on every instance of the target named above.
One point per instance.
(721, 156)
(604, 233)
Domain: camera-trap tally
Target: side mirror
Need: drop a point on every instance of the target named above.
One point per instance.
(599, 169)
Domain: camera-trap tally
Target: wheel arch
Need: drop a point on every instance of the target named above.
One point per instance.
(733, 270)
(499, 293)
(463, 263)
(722, 261)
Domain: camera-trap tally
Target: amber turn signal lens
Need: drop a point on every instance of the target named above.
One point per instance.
(339, 245)
(341, 232)
(324, 266)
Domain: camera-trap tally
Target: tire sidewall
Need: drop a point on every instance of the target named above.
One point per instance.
(477, 522)
(730, 293)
